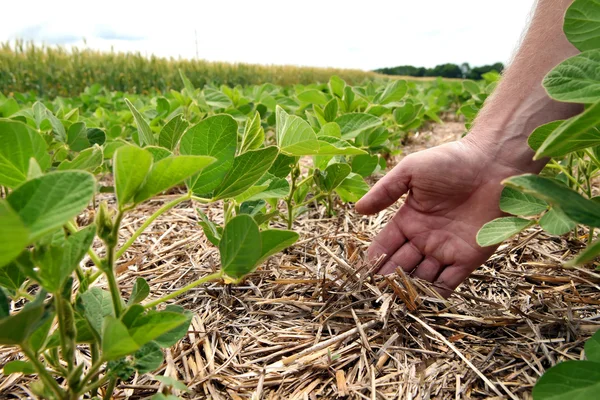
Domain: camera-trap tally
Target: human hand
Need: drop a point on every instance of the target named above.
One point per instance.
(453, 190)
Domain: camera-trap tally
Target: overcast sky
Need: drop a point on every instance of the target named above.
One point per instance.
(368, 34)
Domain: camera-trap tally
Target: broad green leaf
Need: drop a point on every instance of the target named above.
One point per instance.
(500, 229)
(4, 304)
(556, 222)
(211, 231)
(9, 107)
(169, 172)
(336, 86)
(77, 137)
(131, 165)
(471, 86)
(575, 133)
(139, 292)
(364, 164)
(12, 277)
(294, 135)
(19, 366)
(173, 383)
(187, 84)
(158, 153)
(14, 330)
(334, 175)
(34, 171)
(515, 202)
(393, 92)
(282, 165)
(405, 114)
(252, 191)
(215, 137)
(354, 123)
(171, 337)
(246, 171)
(541, 133)
(97, 305)
(14, 235)
(48, 202)
(575, 206)
(330, 111)
(172, 132)
(587, 255)
(240, 246)
(19, 144)
(582, 24)
(116, 340)
(330, 129)
(39, 337)
(148, 358)
(329, 145)
(352, 189)
(152, 325)
(96, 136)
(277, 188)
(88, 160)
(313, 96)
(569, 380)
(145, 133)
(592, 348)
(274, 241)
(254, 134)
(216, 99)
(577, 79)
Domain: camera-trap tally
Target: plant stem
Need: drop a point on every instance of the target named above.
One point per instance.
(592, 157)
(115, 293)
(95, 353)
(207, 278)
(43, 372)
(329, 205)
(93, 388)
(201, 199)
(289, 200)
(110, 388)
(62, 329)
(567, 174)
(150, 220)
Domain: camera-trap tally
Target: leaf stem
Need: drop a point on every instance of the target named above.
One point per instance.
(567, 174)
(150, 220)
(201, 199)
(43, 372)
(110, 388)
(208, 278)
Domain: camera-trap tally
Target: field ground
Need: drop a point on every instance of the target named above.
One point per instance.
(307, 326)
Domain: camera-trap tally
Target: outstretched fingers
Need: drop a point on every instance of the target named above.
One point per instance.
(385, 192)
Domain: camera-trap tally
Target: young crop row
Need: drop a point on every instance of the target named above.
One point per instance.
(238, 146)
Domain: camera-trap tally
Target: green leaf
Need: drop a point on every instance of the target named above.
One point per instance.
(334, 175)
(172, 132)
(19, 144)
(97, 305)
(240, 246)
(500, 229)
(4, 304)
(19, 367)
(592, 348)
(577, 79)
(77, 137)
(336, 86)
(274, 241)
(215, 137)
(569, 380)
(48, 202)
(405, 114)
(212, 232)
(354, 123)
(158, 153)
(329, 145)
(313, 96)
(12, 277)
(246, 171)
(116, 340)
(330, 129)
(518, 203)
(575, 206)
(277, 188)
(14, 235)
(144, 131)
(589, 254)
(330, 111)
(187, 84)
(556, 222)
(471, 86)
(173, 383)
(282, 165)
(216, 98)
(96, 136)
(171, 337)
(14, 330)
(582, 24)
(254, 134)
(152, 325)
(169, 172)
(87, 160)
(35, 171)
(364, 164)
(575, 133)
(39, 337)
(140, 291)
(294, 135)
(393, 92)
(131, 164)
(148, 358)
(352, 189)
(541, 133)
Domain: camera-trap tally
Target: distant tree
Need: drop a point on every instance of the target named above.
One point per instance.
(448, 70)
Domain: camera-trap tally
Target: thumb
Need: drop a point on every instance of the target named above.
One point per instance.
(385, 192)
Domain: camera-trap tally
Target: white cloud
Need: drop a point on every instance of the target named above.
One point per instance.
(348, 34)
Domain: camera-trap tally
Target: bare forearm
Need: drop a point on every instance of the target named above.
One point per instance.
(520, 103)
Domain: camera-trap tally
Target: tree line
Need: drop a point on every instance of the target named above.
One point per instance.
(447, 70)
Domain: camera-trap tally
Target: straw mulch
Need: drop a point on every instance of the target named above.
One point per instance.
(306, 325)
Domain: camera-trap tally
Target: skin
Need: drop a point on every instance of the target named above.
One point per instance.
(454, 189)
